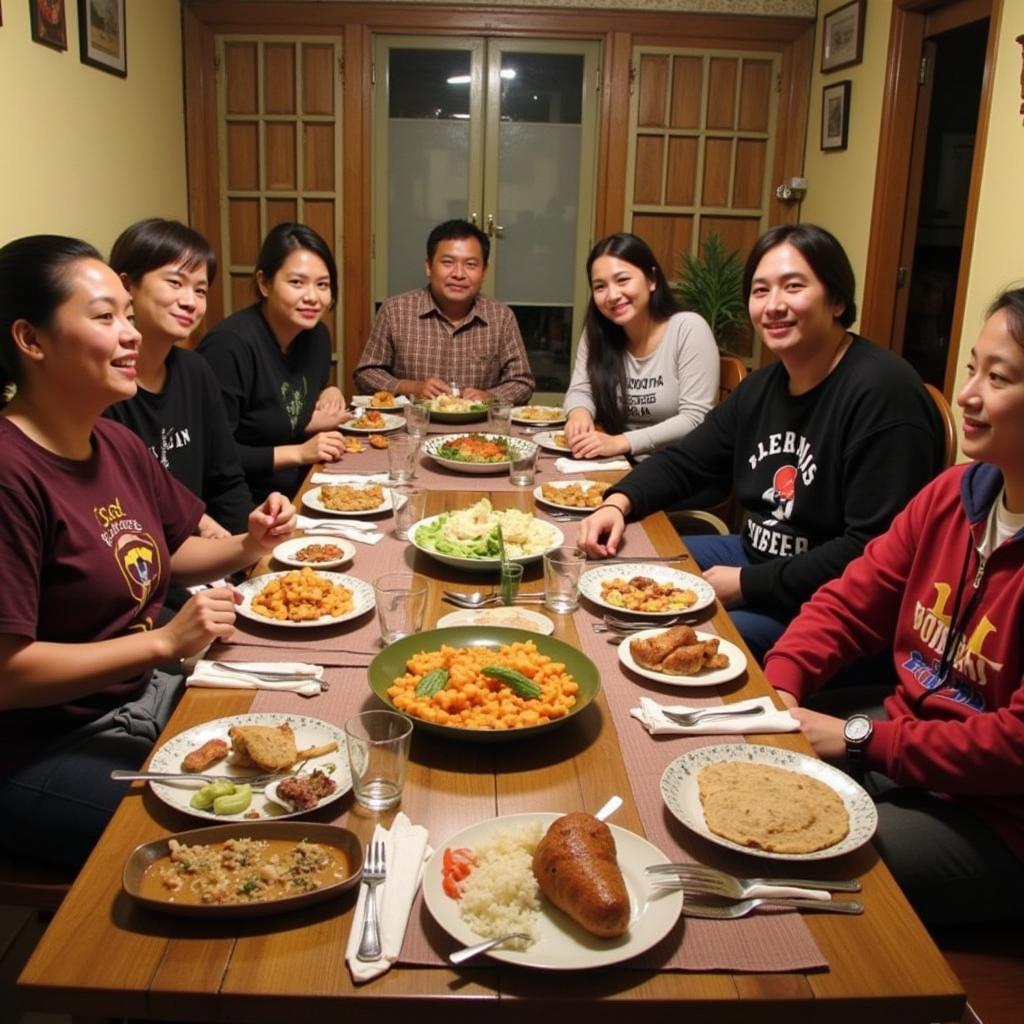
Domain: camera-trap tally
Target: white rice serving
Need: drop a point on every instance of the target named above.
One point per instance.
(501, 894)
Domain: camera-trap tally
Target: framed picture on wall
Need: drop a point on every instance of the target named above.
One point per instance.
(103, 42)
(835, 115)
(842, 37)
(49, 21)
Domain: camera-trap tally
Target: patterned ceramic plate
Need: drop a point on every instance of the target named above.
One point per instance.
(590, 586)
(362, 600)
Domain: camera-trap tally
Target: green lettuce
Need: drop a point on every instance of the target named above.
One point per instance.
(429, 537)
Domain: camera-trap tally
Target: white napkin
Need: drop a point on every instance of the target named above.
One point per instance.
(209, 675)
(772, 720)
(327, 477)
(406, 853)
(564, 465)
(370, 536)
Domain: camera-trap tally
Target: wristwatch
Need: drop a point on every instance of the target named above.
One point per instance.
(857, 734)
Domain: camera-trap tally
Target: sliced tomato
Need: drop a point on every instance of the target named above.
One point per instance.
(451, 888)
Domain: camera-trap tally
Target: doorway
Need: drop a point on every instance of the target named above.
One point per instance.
(501, 132)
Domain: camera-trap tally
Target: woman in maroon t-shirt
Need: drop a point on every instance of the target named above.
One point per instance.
(93, 531)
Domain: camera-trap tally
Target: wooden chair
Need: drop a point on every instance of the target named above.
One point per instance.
(24, 883)
(948, 424)
(731, 370)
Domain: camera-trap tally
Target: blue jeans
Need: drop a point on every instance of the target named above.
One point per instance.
(55, 807)
(758, 629)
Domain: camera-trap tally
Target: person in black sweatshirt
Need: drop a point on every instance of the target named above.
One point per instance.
(273, 362)
(168, 269)
(822, 447)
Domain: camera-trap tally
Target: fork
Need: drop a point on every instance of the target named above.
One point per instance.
(698, 715)
(610, 624)
(256, 781)
(721, 883)
(269, 675)
(374, 872)
(744, 907)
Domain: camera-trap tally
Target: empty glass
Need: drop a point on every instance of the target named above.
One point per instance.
(401, 603)
(522, 467)
(499, 416)
(378, 750)
(562, 570)
(511, 577)
(417, 416)
(402, 451)
(409, 501)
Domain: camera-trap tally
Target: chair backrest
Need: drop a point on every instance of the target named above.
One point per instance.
(731, 370)
(948, 425)
(24, 883)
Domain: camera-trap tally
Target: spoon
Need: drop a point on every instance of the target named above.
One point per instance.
(479, 600)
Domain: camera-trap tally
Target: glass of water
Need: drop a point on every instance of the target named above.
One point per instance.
(401, 603)
(408, 502)
(378, 751)
(402, 452)
(562, 570)
(522, 466)
(499, 416)
(417, 416)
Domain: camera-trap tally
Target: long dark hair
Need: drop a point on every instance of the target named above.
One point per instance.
(33, 286)
(824, 255)
(606, 341)
(154, 243)
(283, 240)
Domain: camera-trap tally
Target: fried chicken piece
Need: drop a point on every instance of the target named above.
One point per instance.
(684, 661)
(378, 441)
(262, 746)
(201, 758)
(650, 653)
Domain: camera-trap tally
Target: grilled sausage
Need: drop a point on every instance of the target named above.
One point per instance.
(576, 869)
(201, 758)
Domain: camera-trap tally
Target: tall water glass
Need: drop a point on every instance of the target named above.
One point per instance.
(522, 466)
(409, 502)
(417, 416)
(562, 570)
(499, 416)
(402, 452)
(401, 604)
(378, 751)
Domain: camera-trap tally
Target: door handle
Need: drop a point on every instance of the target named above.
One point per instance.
(494, 230)
(473, 219)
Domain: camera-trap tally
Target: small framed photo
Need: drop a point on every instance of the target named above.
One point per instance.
(101, 34)
(842, 38)
(49, 21)
(835, 115)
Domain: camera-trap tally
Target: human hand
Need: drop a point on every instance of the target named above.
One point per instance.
(330, 400)
(326, 446)
(476, 395)
(578, 423)
(205, 617)
(596, 445)
(601, 532)
(271, 521)
(210, 529)
(726, 581)
(823, 732)
(432, 387)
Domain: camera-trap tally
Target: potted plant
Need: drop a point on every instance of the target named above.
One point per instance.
(712, 284)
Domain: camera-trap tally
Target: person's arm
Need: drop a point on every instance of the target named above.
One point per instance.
(515, 378)
(373, 372)
(695, 363)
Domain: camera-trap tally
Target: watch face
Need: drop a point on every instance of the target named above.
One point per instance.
(857, 729)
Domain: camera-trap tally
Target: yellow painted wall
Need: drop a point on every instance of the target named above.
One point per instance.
(85, 152)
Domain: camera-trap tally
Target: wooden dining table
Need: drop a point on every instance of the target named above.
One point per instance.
(103, 956)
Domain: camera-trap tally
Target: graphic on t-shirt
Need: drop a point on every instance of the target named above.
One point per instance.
(170, 439)
(643, 393)
(781, 495)
(138, 558)
(294, 399)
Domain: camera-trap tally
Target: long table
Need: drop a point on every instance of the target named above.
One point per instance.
(102, 956)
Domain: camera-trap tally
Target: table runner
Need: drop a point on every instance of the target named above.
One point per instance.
(759, 943)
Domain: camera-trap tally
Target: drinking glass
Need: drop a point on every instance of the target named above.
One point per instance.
(522, 466)
(562, 570)
(499, 416)
(408, 501)
(378, 750)
(417, 416)
(401, 603)
(511, 577)
(402, 451)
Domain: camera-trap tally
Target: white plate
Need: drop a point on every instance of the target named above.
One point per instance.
(480, 617)
(309, 732)
(391, 422)
(736, 666)
(562, 945)
(363, 401)
(311, 499)
(546, 439)
(680, 792)
(483, 564)
(362, 597)
(538, 494)
(518, 417)
(433, 444)
(285, 551)
(590, 585)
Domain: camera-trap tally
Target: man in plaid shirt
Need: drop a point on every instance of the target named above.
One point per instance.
(426, 340)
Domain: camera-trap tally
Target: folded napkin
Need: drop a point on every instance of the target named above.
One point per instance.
(370, 536)
(406, 853)
(328, 476)
(306, 681)
(564, 465)
(650, 713)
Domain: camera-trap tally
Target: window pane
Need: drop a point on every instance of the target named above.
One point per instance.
(429, 83)
(542, 87)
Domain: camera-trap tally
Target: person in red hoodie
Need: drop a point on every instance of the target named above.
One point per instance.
(942, 751)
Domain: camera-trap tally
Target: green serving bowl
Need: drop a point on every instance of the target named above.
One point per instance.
(387, 666)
